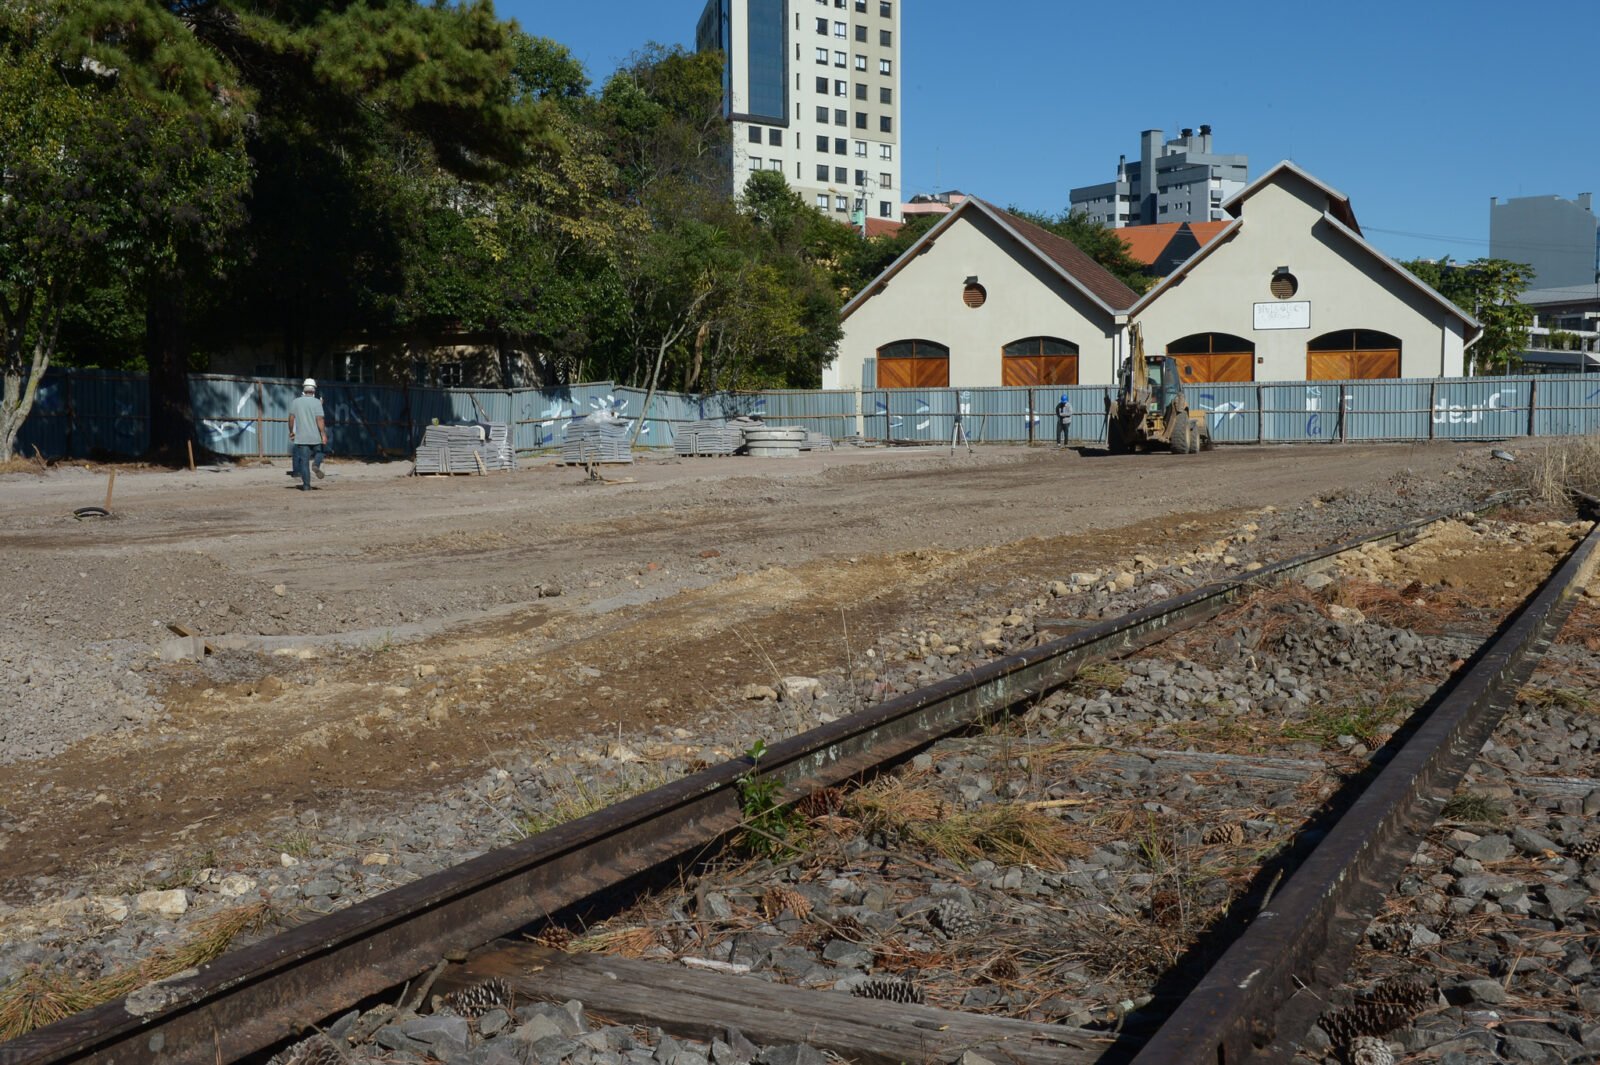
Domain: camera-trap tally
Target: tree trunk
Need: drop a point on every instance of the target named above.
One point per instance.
(692, 381)
(167, 355)
(22, 373)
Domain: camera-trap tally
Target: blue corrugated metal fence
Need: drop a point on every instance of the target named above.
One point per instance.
(90, 412)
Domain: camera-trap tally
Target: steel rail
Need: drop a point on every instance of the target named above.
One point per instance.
(1270, 985)
(266, 993)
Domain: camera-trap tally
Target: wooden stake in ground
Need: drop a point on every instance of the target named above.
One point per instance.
(190, 445)
(111, 483)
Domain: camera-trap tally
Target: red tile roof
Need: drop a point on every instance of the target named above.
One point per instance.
(1091, 275)
(1206, 232)
(1146, 243)
(882, 227)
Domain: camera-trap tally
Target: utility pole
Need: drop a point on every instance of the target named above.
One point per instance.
(867, 183)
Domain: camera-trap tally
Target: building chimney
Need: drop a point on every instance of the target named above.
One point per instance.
(1149, 149)
(1122, 168)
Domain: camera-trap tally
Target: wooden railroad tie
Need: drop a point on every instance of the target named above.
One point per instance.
(695, 1004)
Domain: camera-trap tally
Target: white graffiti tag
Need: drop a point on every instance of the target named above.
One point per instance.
(1455, 414)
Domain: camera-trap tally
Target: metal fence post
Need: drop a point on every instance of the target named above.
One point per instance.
(1433, 404)
(1261, 416)
(1533, 407)
(1344, 408)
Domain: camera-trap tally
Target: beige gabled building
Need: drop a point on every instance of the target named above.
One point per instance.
(1289, 290)
(983, 298)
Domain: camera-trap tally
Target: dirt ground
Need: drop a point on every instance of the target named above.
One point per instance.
(399, 631)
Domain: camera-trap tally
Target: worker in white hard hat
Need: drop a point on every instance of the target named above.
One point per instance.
(308, 434)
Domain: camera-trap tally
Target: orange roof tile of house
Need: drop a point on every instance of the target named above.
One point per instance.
(1206, 232)
(882, 227)
(1146, 243)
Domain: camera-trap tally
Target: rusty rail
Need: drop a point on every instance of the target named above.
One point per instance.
(1270, 986)
(269, 992)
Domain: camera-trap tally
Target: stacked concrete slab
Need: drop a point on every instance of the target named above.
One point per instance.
(470, 448)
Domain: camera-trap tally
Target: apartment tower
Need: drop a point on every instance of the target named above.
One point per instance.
(812, 90)
(1178, 180)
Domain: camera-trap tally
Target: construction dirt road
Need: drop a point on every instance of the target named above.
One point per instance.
(401, 632)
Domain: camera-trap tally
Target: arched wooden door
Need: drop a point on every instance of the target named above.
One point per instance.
(1039, 361)
(1214, 357)
(1353, 355)
(914, 364)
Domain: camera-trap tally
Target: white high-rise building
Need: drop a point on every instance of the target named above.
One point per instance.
(812, 90)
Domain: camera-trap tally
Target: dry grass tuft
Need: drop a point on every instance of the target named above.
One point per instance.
(893, 804)
(1097, 675)
(37, 464)
(37, 997)
(1003, 832)
(1575, 699)
(42, 996)
(623, 942)
(1557, 469)
(1398, 609)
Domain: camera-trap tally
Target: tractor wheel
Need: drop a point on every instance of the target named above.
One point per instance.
(1183, 442)
(1206, 443)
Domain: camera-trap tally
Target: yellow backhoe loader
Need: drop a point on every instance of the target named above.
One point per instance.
(1150, 409)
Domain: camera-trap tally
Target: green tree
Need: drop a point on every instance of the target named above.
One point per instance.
(98, 181)
(354, 106)
(1096, 240)
(1489, 290)
(864, 260)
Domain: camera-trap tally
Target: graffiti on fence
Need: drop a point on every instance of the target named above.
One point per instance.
(235, 426)
(1221, 412)
(1458, 414)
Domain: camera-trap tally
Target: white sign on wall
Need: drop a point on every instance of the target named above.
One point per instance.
(1294, 314)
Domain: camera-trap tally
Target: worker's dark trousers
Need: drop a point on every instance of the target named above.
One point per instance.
(1063, 430)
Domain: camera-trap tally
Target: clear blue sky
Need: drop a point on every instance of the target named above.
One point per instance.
(1419, 112)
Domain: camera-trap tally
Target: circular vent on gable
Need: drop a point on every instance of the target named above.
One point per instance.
(974, 294)
(1284, 285)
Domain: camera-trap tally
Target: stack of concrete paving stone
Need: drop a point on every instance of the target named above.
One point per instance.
(816, 441)
(471, 448)
(594, 439)
(708, 437)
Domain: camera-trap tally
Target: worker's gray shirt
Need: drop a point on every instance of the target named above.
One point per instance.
(305, 410)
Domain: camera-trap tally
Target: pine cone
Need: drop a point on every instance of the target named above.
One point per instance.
(1368, 1050)
(1382, 1009)
(475, 1001)
(1002, 969)
(1584, 850)
(890, 989)
(778, 899)
(1233, 835)
(554, 937)
(954, 919)
(820, 802)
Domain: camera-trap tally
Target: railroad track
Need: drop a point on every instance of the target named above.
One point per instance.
(1258, 999)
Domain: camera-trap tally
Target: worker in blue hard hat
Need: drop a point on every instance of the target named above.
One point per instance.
(1063, 420)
